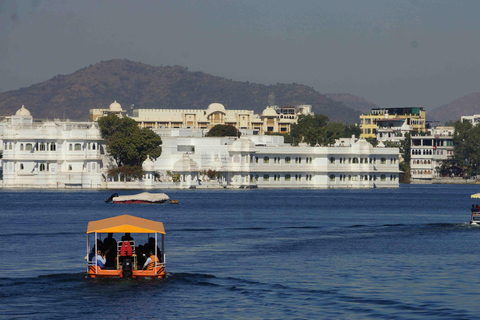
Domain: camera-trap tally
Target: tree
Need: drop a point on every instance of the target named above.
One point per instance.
(405, 151)
(127, 143)
(318, 130)
(223, 130)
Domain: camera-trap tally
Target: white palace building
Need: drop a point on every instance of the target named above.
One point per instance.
(63, 154)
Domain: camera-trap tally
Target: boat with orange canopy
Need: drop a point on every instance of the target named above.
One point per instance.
(125, 257)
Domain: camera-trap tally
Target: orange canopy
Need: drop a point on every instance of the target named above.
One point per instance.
(125, 223)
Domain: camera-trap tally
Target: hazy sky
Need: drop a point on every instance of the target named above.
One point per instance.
(393, 53)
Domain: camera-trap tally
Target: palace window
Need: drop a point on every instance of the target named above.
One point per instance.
(266, 159)
(21, 147)
(383, 161)
(42, 146)
(78, 147)
(332, 177)
(288, 160)
(53, 146)
(332, 160)
(288, 177)
(266, 177)
(42, 167)
(28, 147)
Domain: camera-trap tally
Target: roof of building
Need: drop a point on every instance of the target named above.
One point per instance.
(23, 112)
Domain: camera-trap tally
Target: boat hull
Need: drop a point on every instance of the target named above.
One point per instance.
(93, 272)
(141, 201)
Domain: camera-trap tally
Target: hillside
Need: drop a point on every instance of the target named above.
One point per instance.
(146, 86)
(352, 101)
(466, 105)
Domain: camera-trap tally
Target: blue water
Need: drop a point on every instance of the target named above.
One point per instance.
(406, 253)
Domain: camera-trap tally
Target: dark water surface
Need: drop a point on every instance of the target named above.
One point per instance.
(406, 253)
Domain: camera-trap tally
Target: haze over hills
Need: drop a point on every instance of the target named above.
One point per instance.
(466, 105)
(145, 86)
(352, 101)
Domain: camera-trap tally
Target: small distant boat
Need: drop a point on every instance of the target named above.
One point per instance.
(475, 210)
(144, 197)
(173, 201)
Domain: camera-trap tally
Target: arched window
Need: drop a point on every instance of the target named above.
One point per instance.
(332, 160)
(21, 146)
(266, 177)
(70, 147)
(266, 159)
(383, 161)
(21, 166)
(94, 146)
(28, 147)
(288, 160)
(69, 167)
(288, 177)
(355, 160)
(42, 146)
(42, 167)
(53, 146)
(332, 177)
(383, 177)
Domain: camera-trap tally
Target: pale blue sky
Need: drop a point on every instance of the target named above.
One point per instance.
(394, 53)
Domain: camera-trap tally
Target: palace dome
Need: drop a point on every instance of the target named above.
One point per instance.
(269, 112)
(215, 107)
(115, 106)
(23, 112)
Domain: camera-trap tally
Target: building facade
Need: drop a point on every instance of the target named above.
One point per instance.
(52, 154)
(63, 154)
(391, 124)
(428, 152)
(272, 120)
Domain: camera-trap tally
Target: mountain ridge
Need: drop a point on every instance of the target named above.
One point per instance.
(170, 87)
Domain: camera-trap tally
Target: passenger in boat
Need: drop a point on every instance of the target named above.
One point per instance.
(110, 247)
(151, 244)
(141, 257)
(127, 237)
(99, 259)
(91, 255)
(150, 263)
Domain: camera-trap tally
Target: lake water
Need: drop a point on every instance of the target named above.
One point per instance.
(401, 253)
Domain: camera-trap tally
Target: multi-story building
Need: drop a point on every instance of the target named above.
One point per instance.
(474, 120)
(391, 124)
(64, 154)
(272, 119)
(115, 108)
(428, 152)
(52, 154)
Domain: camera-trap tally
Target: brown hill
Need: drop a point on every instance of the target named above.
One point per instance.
(466, 105)
(354, 102)
(148, 86)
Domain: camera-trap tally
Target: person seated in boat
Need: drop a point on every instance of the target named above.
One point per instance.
(110, 247)
(150, 263)
(127, 237)
(141, 257)
(151, 244)
(99, 259)
(91, 255)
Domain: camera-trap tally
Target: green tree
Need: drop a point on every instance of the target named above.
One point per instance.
(405, 151)
(127, 143)
(318, 130)
(223, 130)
